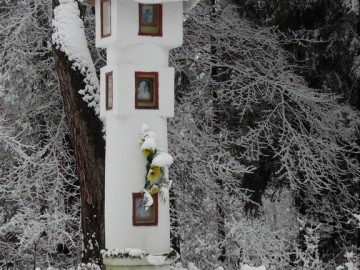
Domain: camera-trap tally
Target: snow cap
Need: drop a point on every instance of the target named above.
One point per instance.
(162, 160)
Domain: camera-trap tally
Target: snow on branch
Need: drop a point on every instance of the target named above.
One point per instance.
(308, 132)
(234, 78)
(69, 37)
(352, 5)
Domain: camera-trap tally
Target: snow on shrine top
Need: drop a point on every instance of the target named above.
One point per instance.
(188, 4)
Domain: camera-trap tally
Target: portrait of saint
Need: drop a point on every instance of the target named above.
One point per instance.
(144, 90)
(144, 216)
(141, 211)
(150, 19)
(147, 14)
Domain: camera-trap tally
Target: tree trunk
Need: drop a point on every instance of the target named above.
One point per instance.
(89, 147)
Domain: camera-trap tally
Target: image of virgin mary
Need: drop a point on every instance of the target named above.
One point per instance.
(143, 91)
(147, 15)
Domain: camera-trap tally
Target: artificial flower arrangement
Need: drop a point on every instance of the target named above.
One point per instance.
(156, 178)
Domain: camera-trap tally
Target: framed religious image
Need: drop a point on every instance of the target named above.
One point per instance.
(105, 13)
(144, 216)
(148, 15)
(146, 90)
(150, 19)
(109, 90)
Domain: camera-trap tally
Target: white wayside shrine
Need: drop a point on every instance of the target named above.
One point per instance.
(137, 97)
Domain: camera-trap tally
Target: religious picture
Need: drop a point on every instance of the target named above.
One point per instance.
(105, 18)
(144, 216)
(143, 92)
(147, 14)
(150, 19)
(146, 90)
(141, 212)
(109, 90)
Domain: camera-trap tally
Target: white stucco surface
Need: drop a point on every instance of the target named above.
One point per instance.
(124, 91)
(150, 54)
(124, 174)
(125, 25)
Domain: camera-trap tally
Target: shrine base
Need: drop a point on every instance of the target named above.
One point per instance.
(133, 264)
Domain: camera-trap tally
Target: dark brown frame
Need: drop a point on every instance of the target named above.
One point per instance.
(153, 104)
(157, 24)
(107, 75)
(153, 221)
(101, 18)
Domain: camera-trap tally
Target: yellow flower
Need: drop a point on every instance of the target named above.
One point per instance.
(153, 190)
(146, 152)
(154, 173)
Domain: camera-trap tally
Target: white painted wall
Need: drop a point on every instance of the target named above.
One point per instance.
(124, 90)
(125, 25)
(150, 54)
(125, 174)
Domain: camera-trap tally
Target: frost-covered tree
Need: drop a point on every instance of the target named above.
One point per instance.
(271, 127)
(249, 136)
(323, 36)
(39, 196)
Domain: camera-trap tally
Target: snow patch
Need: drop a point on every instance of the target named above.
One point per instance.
(148, 144)
(135, 252)
(162, 160)
(352, 5)
(357, 216)
(123, 253)
(192, 266)
(69, 37)
(247, 267)
(148, 199)
(147, 138)
(156, 260)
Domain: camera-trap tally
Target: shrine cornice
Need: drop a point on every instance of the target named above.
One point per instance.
(188, 4)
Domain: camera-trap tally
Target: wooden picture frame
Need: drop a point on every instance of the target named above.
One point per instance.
(141, 215)
(147, 90)
(109, 93)
(150, 19)
(105, 18)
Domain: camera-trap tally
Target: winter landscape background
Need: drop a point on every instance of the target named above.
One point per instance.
(265, 137)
